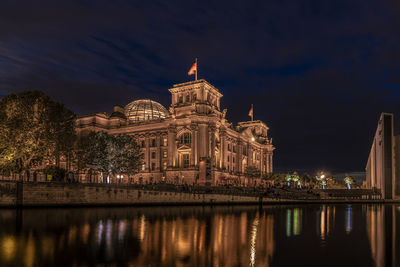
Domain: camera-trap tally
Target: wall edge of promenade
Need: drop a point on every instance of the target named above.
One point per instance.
(82, 195)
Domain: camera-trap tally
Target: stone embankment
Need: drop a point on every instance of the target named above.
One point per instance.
(18, 194)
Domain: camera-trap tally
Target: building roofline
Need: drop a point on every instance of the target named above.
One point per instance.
(194, 82)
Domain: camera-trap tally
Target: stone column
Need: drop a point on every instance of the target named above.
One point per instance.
(194, 151)
(222, 137)
(238, 156)
(250, 156)
(203, 140)
(171, 146)
(159, 154)
(261, 161)
(212, 133)
(270, 163)
(147, 152)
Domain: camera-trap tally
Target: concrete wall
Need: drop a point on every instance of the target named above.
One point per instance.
(8, 193)
(52, 194)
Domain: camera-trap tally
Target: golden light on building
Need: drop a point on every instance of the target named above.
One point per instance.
(191, 142)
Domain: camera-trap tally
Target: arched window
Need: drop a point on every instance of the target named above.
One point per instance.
(185, 139)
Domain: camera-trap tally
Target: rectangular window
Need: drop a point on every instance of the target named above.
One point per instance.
(180, 99)
(185, 139)
(229, 147)
(153, 166)
(185, 159)
(164, 165)
(153, 155)
(143, 167)
(153, 142)
(187, 99)
(143, 143)
(165, 154)
(234, 148)
(233, 159)
(165, 141)
(194, 97)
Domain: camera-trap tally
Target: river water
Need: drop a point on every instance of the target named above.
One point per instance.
(296, 235)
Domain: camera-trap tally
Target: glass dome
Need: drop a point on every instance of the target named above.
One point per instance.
(145, 110)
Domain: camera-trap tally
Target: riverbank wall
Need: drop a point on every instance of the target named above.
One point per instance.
(18, 194)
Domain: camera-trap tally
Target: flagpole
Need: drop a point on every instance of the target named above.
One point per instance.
(197, 67)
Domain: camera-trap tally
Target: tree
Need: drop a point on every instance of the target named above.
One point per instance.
(349, 180)
(33, 128)
(288, 178)
(308, 179)
(108, 154)
(252, 172)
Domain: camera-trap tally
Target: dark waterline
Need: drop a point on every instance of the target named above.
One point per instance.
(297, 235)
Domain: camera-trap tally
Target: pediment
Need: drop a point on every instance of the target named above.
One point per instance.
(184, 147)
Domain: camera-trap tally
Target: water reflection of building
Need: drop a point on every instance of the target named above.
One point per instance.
(224, 240)
(383, 228)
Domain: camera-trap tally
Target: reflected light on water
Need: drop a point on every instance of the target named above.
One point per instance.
(288, 222)
(29, 251)
(85, 230)
(8, 247)
(293, 222)
(121, 229)
(253, 241)
(204, 236)
(348, 219)
(99, 230)
(322, 223)
(297, 221)
(142, 227)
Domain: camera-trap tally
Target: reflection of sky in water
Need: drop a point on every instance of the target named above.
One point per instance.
(196, 236)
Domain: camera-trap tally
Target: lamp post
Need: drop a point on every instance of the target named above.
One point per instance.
(322, 180)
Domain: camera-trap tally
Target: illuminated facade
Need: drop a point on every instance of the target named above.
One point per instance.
(192, 142)
(383, 166)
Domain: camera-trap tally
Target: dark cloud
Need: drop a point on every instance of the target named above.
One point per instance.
(319, 72)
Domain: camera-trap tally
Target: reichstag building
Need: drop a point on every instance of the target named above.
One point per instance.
(192, 142)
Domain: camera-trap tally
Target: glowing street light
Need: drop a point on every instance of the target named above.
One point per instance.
(322, 179)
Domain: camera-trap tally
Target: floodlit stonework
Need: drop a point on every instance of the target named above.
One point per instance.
(192, 142)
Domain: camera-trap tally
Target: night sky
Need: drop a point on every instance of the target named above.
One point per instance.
(318, 72)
